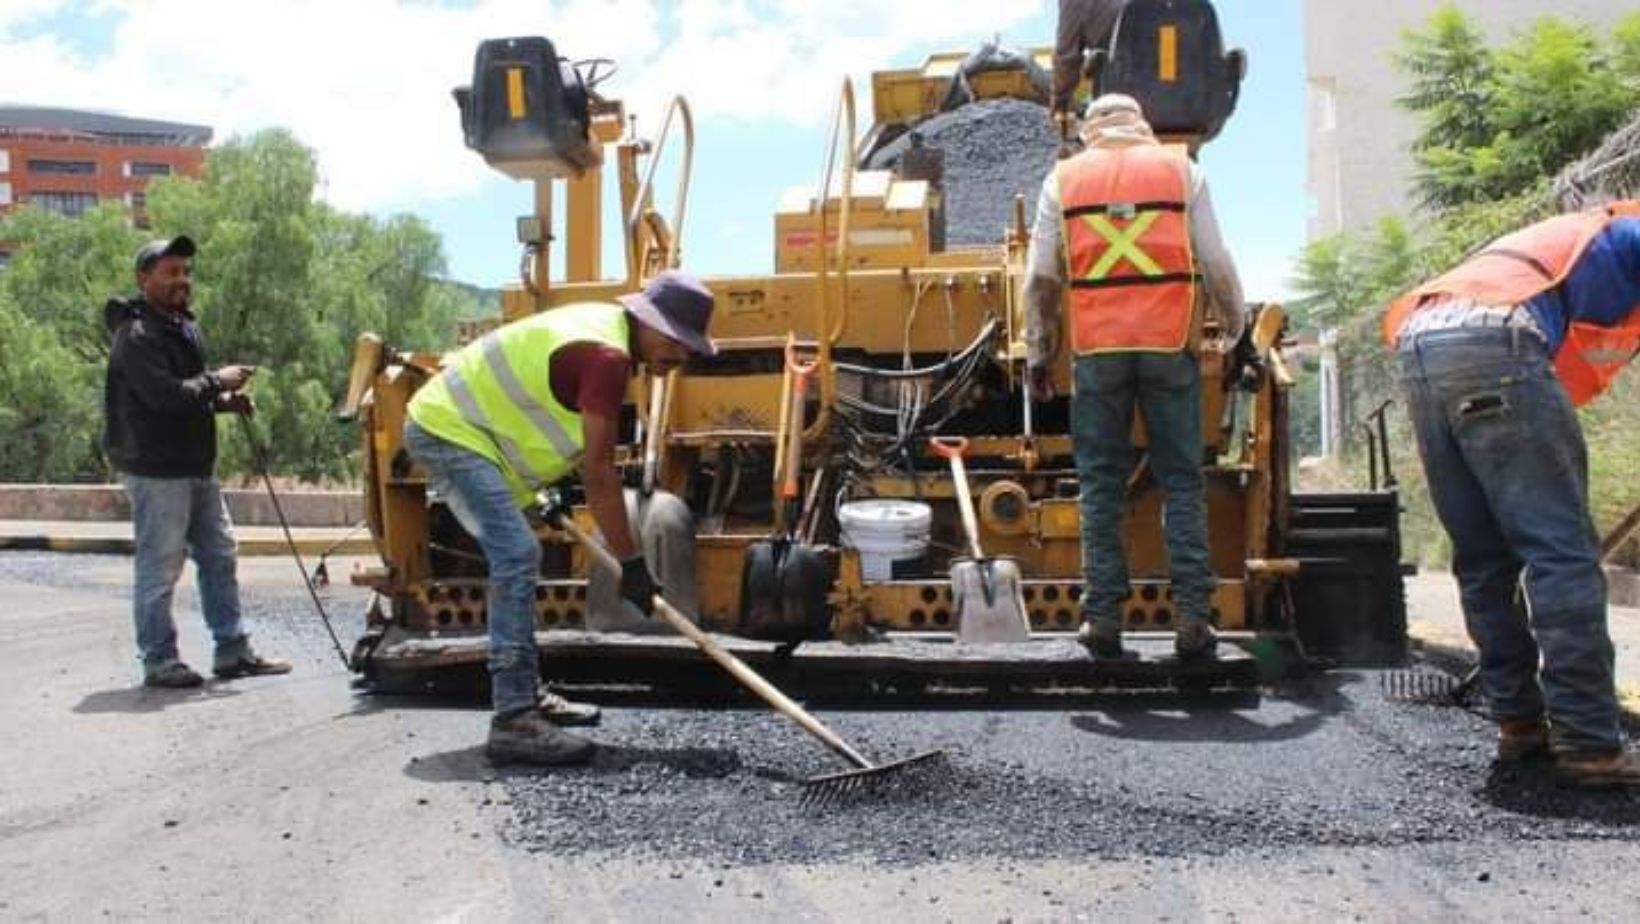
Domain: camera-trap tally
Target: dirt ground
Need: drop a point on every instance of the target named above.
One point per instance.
(299, 798)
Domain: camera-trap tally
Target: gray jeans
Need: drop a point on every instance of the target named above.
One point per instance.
(171, 519)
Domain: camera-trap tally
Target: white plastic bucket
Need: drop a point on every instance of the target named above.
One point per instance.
(884, 532)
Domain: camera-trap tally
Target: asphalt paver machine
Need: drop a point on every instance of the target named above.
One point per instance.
(786, 491)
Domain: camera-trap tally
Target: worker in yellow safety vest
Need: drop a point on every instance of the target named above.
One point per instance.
(1125, 235)
(1494, 355)
(517, 410)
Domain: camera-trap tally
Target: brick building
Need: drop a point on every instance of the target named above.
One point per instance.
(67, 161)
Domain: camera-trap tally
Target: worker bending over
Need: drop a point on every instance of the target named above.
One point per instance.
(1083, 25)
(517, 410)
(1145, 262)
(1494, 356)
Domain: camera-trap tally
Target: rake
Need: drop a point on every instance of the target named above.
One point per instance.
(1430, 688)
(864, 779)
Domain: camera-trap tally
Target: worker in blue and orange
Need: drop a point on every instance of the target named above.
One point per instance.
(1494, 356)
(1125, 236)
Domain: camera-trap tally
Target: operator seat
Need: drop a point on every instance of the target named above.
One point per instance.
(1169, 55)
(527, 112)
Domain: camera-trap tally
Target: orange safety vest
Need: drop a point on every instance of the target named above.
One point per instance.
(1519, 266)
(1127, 246)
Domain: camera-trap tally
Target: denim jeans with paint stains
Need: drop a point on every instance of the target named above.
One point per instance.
(475, 491)
(1166, 387)
(1508, 474)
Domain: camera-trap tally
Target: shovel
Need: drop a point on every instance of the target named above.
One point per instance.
(785, 582)
(864, 778)
(989, 603)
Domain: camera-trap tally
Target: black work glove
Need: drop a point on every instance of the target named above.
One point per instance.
(637, 587)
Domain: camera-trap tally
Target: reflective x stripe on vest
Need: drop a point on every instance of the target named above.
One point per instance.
(494, 397)
(1521, 265)
(1127, 248)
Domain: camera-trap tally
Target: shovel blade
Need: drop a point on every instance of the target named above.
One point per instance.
(989, 602)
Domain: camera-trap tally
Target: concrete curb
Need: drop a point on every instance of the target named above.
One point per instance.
(1449, 646)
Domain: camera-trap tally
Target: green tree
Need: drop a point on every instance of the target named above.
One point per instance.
(281, 281)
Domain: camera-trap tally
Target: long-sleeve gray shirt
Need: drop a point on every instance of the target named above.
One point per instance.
(1219, 293)
(1083, 24)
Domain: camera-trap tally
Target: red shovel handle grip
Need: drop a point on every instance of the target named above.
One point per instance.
(948, 447)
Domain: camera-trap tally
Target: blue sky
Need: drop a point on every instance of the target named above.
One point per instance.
(761, 75)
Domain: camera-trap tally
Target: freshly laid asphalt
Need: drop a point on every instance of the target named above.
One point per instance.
(327, 803)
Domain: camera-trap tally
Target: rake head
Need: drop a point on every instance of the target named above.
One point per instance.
(882, 781)
(1430, 688)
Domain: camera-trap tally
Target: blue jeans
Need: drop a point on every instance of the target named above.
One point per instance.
(474, 490)
(1167, 388)
(1508, 474)
(172, 518)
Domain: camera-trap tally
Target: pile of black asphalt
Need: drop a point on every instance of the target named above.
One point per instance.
(1331, 763)
(994, 149)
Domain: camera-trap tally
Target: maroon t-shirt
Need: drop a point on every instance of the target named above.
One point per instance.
(589, 378)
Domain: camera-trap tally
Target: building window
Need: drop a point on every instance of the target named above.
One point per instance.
(147, 168)
(5, 193)
(5, 161)
(67, 204)
(137, 199)
(74, 167)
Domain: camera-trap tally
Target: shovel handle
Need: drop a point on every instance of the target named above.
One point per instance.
(751, 679)
(952, 448)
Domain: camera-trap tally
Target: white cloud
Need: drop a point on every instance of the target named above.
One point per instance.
(367, 82)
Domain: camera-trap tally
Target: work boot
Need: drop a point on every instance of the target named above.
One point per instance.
(172, 675)
(1522, 739)
(563, 712)
(527, 737)
(1102, 638)
(1599, 769)
(247, 663)
(1195, 638)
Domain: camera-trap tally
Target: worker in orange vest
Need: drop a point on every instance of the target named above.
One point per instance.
(1494, 355)
(1125, 235)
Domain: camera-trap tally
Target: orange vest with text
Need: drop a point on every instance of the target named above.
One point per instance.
(1518, 266)
(1132, 276)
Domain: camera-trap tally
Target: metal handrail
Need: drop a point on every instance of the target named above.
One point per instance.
(640, 204)
(827, 332)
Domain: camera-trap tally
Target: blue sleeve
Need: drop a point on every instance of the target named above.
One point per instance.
(1602, 289)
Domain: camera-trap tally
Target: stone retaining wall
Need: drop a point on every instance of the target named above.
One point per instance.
(247, 507)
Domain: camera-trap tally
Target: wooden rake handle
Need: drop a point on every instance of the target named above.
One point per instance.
(751, 679)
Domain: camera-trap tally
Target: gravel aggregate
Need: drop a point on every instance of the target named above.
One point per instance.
(994, 149)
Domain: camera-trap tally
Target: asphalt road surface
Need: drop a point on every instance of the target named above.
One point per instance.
(299, 798)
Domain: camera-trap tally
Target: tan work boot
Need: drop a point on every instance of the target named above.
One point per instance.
(1522, 739)
(1599, 770)
(527, 737)
(1195, 638)
(1102, 638)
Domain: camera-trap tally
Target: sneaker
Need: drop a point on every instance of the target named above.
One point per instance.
(1599, 770)
(1102, 638)
(1523, 739)
(172, 675)
(248, 664)
(564, 712)
(1195, 638)
(527, 737)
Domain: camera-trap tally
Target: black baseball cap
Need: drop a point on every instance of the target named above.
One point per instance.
(180, 246)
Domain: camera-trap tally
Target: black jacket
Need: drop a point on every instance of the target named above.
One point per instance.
(159, 398)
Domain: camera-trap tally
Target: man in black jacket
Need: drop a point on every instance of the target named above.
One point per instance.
(160, 434)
